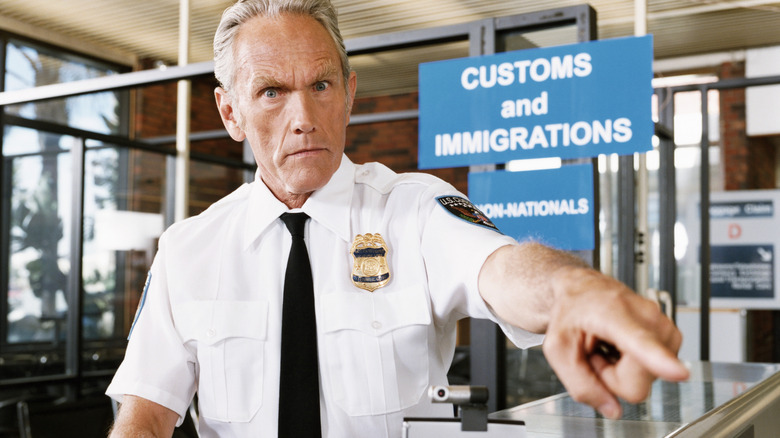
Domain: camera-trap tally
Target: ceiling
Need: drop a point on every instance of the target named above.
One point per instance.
(126, 31)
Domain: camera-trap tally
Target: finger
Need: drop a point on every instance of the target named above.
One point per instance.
(656, 355)
(647, 335)
(626, 379)
(623, 373)
(568, 359)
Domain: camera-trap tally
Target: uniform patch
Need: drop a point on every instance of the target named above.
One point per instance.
(370, 270)
(140, 303)
(463, 209)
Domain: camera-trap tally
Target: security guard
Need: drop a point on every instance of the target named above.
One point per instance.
(396, 260)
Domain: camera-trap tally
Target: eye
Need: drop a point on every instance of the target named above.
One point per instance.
(321, 86)
(271, 93)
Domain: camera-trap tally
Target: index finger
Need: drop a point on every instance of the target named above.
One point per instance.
(650, 338)
(656, 357)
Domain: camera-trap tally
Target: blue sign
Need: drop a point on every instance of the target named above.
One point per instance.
(571, 101)
(742, 271)
(554, 207)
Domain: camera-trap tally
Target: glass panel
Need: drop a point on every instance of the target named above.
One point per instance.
(395, 71)
(529, 376)
(24, 141)
(123, 201)
(653, 257)
(39, 210)
(99, 264)
(37, 216)
(518, 40)
(608, 214)
(28, 67)
(210, 182)
(688, 166)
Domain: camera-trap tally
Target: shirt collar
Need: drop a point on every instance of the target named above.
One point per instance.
(329, 206)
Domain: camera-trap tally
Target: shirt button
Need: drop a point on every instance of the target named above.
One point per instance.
(211, 333)
(376, 325)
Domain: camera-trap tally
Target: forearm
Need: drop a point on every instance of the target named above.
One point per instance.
(132, 430)
(141, 418)
(547, 291)
(520, 282)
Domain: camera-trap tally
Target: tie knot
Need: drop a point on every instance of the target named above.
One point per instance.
(295, 223)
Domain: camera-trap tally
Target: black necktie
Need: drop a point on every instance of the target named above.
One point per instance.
(299, 384)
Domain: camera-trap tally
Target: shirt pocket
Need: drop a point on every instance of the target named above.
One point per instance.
(377, 348)
(231, 338)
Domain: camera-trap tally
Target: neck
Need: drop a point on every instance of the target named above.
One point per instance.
(293, 201)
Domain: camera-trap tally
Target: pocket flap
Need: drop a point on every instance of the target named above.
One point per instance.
(375, 313)
(213, 321)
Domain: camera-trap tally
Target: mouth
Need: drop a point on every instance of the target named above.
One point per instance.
(305, 153)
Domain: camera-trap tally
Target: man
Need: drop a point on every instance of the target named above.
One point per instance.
(211, 317)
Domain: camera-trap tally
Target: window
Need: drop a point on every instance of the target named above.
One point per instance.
(28, 66)
(42, 144)
(82, 208)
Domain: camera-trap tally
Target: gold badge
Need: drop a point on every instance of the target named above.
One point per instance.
(370, 271)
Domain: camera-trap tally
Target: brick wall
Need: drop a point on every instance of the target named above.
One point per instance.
(749, 162)
(393, 144)
(155, 116)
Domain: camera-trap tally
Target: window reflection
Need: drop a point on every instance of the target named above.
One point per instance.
(122, 220)
(38, 262)
(38, 212)
(117, 203)
(210, 182)
(28, 66)
(99, 266)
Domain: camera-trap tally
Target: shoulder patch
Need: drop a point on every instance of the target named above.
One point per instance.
(140, 303)
(463, 209)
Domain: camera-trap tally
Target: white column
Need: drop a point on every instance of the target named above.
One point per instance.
(184, 89)
(642, 273)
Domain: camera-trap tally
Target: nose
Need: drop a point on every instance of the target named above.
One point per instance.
(303, 113)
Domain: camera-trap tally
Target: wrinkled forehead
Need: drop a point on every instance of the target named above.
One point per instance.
(287, 45)
(299, 75)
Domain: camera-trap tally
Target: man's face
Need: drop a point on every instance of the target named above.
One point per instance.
(289, 100)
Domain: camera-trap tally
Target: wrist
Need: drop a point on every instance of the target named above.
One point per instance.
(571, 279)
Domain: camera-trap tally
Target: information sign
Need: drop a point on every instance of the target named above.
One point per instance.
(554, 207)
(570, 101)
(744, 239)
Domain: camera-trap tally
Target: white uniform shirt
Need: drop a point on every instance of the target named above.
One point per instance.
(210, 318)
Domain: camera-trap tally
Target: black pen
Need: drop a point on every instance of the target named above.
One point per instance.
(606, 350)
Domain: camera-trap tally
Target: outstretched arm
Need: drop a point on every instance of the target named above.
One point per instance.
(141, 418)
(547, 291)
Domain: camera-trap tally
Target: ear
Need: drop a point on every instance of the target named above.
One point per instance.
(229, 114)
(352, 87)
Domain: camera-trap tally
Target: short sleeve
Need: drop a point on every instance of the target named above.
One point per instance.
(157, 365)
(456, 241)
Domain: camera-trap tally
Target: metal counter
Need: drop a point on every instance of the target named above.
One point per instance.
(719, 400)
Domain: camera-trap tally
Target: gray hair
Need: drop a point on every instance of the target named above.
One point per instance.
(236, 15)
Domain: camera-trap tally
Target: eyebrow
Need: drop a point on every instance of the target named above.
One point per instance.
(328, 70)
(262, 81)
